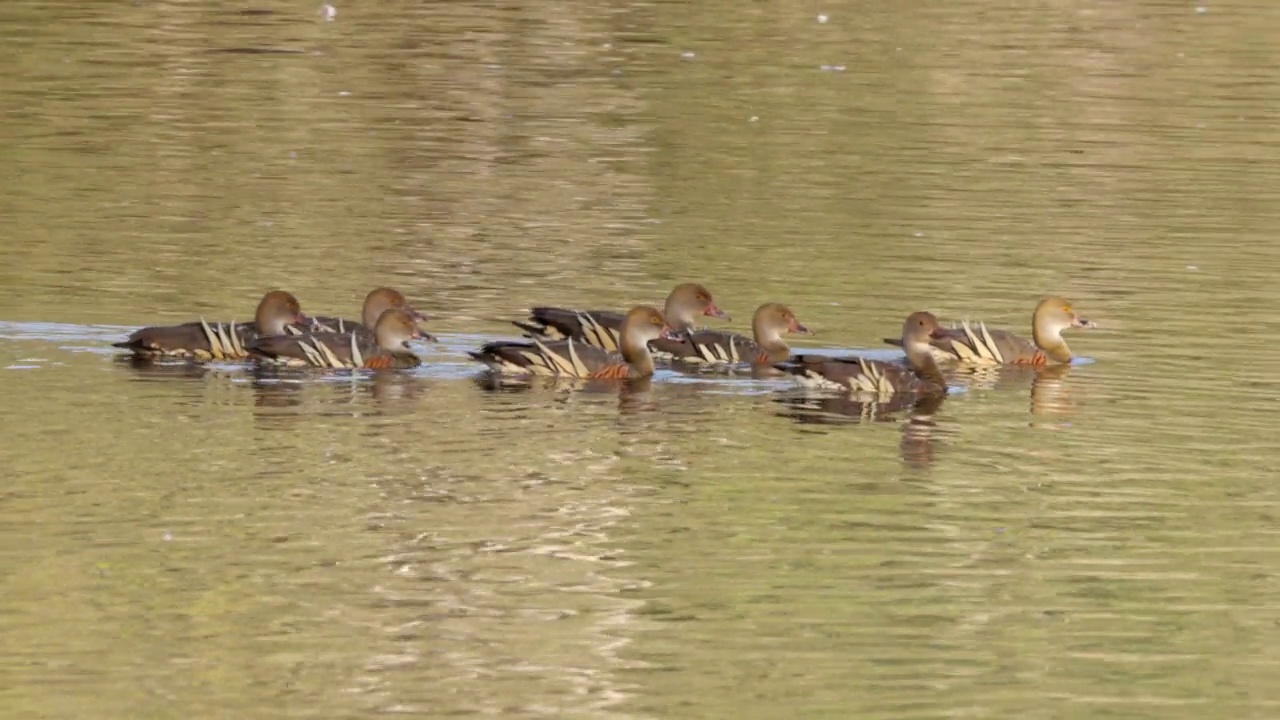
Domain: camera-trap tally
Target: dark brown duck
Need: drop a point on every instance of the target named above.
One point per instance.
(601, 328)
(920, 373)
(576, 359)
(766, 346)
(974, 344)
(378, 301)
(387, 348)
(218, 341)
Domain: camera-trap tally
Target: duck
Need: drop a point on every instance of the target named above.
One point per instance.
(920, 373)
(770, 322)
(576, 358)
(387, 348)
(601, 328)
(199, 340)
(378, 301)
(974, 343)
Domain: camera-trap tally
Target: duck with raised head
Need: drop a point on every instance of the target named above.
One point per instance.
(220, 341)
(601, 328)
(919, 375)
(975, 344)
(577, 359)
(378, 301)
(388, 348)
(770, 322)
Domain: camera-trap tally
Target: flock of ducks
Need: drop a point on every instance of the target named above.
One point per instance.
(599, 344)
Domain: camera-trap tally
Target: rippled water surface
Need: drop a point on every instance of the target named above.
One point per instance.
(1096, 542)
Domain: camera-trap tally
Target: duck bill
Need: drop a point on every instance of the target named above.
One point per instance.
(413, 313)
(715, 312)
(1080, 322)
(301, 319)
(423, 335)
(796, 327)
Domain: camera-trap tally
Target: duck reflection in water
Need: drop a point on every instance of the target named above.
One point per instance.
(809, 408)
(277, 392)
(1050, 388)
(147, 368)
(1051, 395)
(378, 393)
(633, 393)
(918, 441)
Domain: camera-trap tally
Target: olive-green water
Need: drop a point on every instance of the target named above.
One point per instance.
(1095, 543)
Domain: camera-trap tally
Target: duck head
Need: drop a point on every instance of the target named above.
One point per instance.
(1053, 315)
(644, 323)
(276, 310)
(686, 302)
(382, 299)
(396, 327)
(772, 320)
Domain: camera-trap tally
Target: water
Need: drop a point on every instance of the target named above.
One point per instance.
(1094, 542)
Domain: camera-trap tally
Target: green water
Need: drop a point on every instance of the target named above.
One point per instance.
(1095, 543)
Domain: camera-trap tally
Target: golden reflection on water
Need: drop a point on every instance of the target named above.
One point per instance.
(199, 540)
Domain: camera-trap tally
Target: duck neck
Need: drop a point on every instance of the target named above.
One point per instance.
(1049, 339)
(390, 341)
(372, 312)
(679, 317)
(770, 341)
(269, 323)
(636, 352)
(924, 366)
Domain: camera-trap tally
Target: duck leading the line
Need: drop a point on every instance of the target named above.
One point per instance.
(387, 347)
(919, 375)
(576, 359)
(766, 346)
(220, 341)
(975, 344)
(602, 328)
